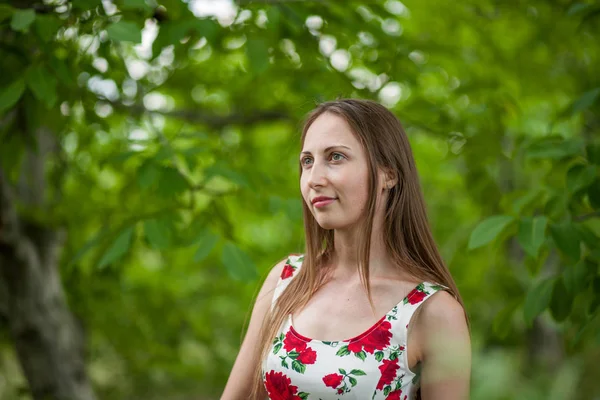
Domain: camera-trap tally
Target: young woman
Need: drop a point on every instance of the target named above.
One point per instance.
(370, 311)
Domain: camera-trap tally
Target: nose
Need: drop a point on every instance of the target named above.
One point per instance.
(317, 175)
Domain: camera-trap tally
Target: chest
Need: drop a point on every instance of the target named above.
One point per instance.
(340, 312)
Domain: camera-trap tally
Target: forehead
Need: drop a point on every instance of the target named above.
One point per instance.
(328, 130)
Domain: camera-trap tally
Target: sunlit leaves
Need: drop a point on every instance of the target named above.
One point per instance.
(22, 19)
(488, 230)
(118, 248)
(206, 243)
(580, 176)
(566, 238)
(157, 233)
(537, 299)
(43, 84)
(124, 31)
(258, 54)
(10, 95)
(238, 264)
(532, 234)
(554, 147)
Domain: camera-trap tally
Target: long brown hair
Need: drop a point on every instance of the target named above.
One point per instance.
(407, 236)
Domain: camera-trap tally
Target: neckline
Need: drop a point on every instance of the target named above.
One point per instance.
(362, 335)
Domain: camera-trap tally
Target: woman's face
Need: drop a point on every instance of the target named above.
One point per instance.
(334, 178)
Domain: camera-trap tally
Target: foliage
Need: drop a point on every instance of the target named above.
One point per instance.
(175, 169)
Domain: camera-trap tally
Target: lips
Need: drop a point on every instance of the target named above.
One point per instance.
(321, 198)
(322, 201)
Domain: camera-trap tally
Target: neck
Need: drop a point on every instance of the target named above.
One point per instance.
(345, 259)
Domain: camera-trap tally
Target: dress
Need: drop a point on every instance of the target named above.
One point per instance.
(372, 365)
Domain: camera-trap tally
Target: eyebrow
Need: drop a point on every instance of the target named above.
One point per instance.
(328, 148)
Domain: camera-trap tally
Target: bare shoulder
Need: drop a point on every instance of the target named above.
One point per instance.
(443, 311)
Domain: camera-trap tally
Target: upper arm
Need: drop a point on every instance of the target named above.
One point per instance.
(242, 373)
(445, 348)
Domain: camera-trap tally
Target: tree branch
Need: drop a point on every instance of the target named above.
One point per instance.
(212, 120)
(10, 229)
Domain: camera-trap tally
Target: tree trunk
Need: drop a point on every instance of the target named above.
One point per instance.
(48, 342)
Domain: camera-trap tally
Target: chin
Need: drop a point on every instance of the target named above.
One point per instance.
(328, 223)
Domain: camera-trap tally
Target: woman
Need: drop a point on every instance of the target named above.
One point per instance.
(370, 311)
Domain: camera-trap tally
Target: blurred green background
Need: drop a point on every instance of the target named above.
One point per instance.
(149, 179)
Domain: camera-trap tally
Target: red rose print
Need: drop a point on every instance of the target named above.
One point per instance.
(395, 395)
(280, 387)
(388, 372)
(333, 380)
(378, 339)
(308, 356)
(355, 347)
(415, 296)
(288, 271)
(340, 391)
(292, 342)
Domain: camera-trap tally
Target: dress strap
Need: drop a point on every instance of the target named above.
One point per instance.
(410, 304)
(290, 270)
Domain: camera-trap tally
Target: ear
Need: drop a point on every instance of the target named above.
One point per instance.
(388, 178)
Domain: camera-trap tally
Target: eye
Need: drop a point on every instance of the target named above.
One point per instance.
(337, 157)
(305, 161)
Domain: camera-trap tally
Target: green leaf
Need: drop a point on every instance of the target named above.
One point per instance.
(93, 241)
(594, 194)
(6, 11)
(537, 299)
(502, 323)
(343, 351)
(298, 366)
(22, 19)
(387, 390)
(352, 381)
(147, 175)
(303, 395)
(342, 371)
(361, 354)
(585, 101)
(224, 171)
(171, 182)
(136, 4)
(118, 248)
(11, 94)
(277, 348)
(43, 85)
(157, 233)
(207, 243)
(379, 355)
(575, 277)
(554, 147)
(532, 234)
(593, 153)
(46, 27)
(257, 52)
(358, 372)
(580, 176)
(239, 265)
(488, 230)
(124, 31)
(61, 70)
(577, 8)
(556, 205)
(567, 239)
(293, 354)
(561, 302)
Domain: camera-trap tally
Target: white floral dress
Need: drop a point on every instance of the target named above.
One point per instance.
(372, 365)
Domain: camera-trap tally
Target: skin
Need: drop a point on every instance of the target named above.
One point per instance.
(334, 164)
